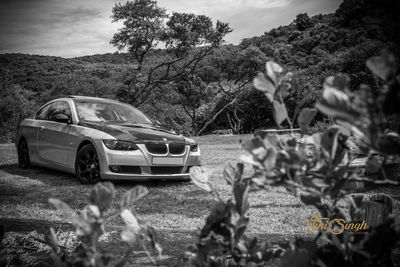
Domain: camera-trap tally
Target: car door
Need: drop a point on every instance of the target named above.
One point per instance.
(53, 136)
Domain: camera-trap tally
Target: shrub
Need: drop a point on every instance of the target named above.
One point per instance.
(15, 105)
(90, 223)
(20, 249)
(320, 126)
(282, 161)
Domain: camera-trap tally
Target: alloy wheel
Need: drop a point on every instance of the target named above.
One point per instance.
(87, 165)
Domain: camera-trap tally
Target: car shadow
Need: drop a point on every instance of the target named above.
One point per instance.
(55, 177)
(47, 176)
(150, 183)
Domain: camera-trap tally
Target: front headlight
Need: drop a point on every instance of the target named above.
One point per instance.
(120, 145)
(194, 147)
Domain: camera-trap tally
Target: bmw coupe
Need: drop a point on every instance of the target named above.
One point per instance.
(98, 138)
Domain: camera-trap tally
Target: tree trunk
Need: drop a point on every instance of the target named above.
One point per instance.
(231, 122)
(215, 116)
(238, 120)
(193, 118)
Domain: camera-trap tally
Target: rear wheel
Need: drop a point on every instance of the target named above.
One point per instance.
(23, 155)
(87, 166)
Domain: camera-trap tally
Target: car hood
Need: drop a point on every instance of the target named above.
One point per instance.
(136, 132)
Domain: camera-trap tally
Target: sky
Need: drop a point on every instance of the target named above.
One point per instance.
(71, 28)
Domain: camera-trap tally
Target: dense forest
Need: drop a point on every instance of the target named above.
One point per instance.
(217, 93)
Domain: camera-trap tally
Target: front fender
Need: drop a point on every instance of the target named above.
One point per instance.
(80, 135)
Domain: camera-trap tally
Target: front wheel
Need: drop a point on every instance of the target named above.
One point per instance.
(87, 166)
(23, 155)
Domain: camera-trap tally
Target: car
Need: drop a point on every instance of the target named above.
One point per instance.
(97, 138)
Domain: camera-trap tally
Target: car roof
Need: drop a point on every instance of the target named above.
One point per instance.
(78, 97)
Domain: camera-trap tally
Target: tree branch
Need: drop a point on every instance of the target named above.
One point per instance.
(233, 101)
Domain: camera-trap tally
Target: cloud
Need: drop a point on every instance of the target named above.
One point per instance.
(72, 28)
(249, 18)
(218, 8)
(55, 27)
(267, 4)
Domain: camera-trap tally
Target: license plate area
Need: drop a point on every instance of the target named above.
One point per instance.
(167, 161)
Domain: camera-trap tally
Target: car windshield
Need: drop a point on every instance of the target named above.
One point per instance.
(99, 111)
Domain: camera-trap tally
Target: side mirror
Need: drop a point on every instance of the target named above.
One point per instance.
(62, 118)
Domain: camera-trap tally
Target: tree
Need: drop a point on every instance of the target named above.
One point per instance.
(186, 31)
(230, 94)
(16, 103)
(193, 93)
(303, 21)
(237, 67)
(188, 38)
(143, 27)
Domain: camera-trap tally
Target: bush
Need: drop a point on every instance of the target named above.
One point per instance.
(16, 104)
(60, 249)
(24, 249)
(320, 126)
(282, 161)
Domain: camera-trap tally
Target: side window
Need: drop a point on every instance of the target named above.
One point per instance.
(41, 114)
(57, 108)
(47, 112)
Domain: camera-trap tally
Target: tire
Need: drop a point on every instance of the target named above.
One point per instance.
(23, 154)
(87, 166)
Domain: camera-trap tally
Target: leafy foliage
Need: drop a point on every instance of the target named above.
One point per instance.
(143, 27)
(24, 249)
(183, 34)
(90, 223)
(319, 178)
(303, 22)
(16, 104)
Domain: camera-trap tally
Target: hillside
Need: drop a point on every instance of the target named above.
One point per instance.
(311, 47)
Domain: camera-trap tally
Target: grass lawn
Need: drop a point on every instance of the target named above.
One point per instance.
(170, 206)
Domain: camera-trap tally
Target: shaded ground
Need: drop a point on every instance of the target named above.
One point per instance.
(174, 243)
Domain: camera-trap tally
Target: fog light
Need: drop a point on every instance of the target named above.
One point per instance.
(115, 168)
(194, 147)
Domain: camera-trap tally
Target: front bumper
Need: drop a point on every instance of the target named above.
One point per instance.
(145, 177)
(141, 161)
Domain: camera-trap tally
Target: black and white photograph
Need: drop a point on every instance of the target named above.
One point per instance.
(200, 133)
